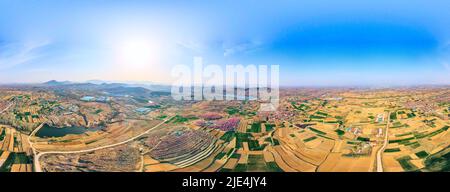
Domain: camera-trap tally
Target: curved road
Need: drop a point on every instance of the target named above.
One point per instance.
(381, 150)
(37, 165)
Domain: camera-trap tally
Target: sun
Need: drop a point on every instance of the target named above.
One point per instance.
(137, 56)
(137, 53)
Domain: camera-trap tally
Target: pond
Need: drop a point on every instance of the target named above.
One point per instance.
(50, 131)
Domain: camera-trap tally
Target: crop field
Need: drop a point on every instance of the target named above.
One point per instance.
(314, 130)
(16, 155)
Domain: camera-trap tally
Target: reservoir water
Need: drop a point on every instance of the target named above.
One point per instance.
(50, 131)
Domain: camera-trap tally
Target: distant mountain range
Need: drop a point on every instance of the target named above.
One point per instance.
(112, 88)
(54, 82)
(147, 85)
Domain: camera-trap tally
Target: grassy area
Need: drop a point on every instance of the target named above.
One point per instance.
(236, 156)
(242, 137)
(402, 140)
(89, 142)
(273, 167)
(362, 139)
(296, 107)
(240, 168)
(317, 131)
(323, 136)
(439, 162)
(411, 115)
(422, 154)
(393, 116)
(309, 139)
(220, 155)
(420, 136)
(316, 117)
(406, 141)
(255, 163)
(406, 165)
(253, 145)
(232, 110)
(275, 142)
(19, 117)
(255, 127)
(98, 111)
(230, 152)
(223, 154)
(161, 117)
(3, 134)
(6, 167)
(22, 158)
(353, 142)
(225, 170)
(181, 119)
(301, 107)
(16, 142)
(339, 132)
(398, 125)
(269, 127)
(228, 136)
(392, 150)
(413, 144)
(322, 113)
(404, 134)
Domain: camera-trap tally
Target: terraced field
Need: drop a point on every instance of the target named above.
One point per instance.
(15, 151)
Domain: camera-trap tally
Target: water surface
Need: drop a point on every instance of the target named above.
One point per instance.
(51, 131)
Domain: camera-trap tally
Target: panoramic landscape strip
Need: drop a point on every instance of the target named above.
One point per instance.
(224, 86)
(59, 126)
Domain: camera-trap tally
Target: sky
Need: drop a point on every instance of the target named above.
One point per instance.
(315, 43)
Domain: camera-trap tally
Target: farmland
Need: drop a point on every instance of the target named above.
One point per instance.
(16, 154)
(313, 130)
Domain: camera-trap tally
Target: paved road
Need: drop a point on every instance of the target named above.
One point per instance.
(381, 150)
(6, 108)
(37, 165)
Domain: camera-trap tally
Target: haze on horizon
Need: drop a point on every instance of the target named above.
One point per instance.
(316, 43)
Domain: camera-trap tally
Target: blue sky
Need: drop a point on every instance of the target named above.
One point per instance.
(316, 43)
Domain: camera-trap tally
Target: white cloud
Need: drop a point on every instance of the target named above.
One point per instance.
(193, 46)
(14, 54)
(241, 48)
